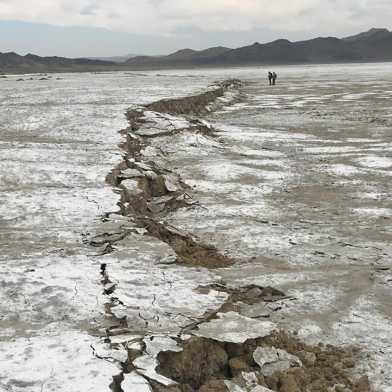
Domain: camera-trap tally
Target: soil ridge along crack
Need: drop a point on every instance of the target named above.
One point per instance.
(234, 347)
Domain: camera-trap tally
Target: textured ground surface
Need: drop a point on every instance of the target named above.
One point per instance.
(294, 185)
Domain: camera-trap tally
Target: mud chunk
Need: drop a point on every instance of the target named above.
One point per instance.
(214, 386)
(171, 183)
(131, 188)
(362, 385)
(273, 360)
(199, 360)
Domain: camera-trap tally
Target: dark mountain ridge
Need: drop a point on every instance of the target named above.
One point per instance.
(14, 63)
(371, 46)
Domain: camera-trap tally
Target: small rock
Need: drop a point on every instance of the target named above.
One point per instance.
(131, 188)
(250, 379)
(271, 360)
(171, 183)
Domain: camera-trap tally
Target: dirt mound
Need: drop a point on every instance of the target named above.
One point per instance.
(279, 362)
(194, 105)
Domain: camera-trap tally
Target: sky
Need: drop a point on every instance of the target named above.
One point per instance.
(77, 28)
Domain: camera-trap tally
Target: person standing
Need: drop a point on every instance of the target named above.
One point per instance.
(270, 78)
(274, 77)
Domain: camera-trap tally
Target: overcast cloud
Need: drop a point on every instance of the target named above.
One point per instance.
(181, 19)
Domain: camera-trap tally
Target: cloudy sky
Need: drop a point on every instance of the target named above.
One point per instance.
(117, 27)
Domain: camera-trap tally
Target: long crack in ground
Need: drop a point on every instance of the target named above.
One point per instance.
(234, 348)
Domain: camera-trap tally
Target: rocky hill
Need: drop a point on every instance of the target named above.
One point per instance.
(14, 63)
(184, 57)
(373, 45)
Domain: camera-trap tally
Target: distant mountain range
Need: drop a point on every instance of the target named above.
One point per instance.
(14, 63)
(373, 45)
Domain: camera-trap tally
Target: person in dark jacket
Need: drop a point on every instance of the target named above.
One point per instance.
(270, 78)
(274, 77)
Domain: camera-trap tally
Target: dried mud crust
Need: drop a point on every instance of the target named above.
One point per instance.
(276, 362)
(206, 365)
(148, 191)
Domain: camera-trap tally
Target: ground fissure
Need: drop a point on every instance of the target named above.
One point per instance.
(205, 364)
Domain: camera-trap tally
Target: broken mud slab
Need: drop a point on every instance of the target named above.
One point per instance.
(251, 301)
(249, 294)
(278, 362)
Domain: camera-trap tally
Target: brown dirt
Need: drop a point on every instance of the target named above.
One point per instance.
(204, 364)
(188, 251)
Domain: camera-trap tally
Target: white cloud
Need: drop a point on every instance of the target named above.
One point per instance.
(166, 16)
